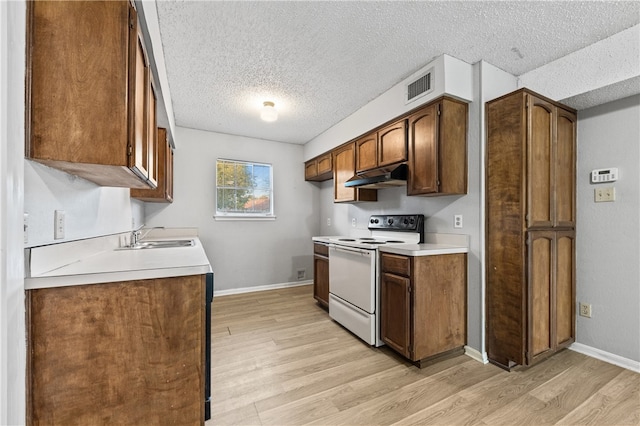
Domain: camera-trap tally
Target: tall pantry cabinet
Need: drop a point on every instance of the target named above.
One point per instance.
(531, 216)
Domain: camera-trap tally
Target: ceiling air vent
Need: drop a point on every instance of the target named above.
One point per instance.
(420, 87)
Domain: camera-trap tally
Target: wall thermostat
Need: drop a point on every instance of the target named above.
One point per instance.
(604, 175)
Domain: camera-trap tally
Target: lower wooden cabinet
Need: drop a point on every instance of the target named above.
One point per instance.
(120, 353)
(321, 274)
(424, 305)
(533, 317)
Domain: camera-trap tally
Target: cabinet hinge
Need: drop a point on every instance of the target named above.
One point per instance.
(438, 111)
(129, 150)
(131, 20)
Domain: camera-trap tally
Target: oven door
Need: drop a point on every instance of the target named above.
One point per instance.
(352, 276)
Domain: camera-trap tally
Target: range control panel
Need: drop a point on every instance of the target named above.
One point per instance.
(403, 222)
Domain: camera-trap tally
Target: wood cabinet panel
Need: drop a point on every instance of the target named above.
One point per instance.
(321, 274)
(392, 144)
(122, 353)
(319, 168)
(86, 95)
(530, 211)
(440, 304)
(539, 164)
(565, 288)
(565, 169)
(396, 264)
(366, 152)
(438, 149)
(343, 170)
(540, 291)
(423, 314)
(163, 192)
(395, 324)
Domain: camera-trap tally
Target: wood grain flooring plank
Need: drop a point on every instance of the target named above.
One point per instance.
(287, 363)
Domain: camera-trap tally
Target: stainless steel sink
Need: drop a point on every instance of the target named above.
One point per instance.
(140, 245)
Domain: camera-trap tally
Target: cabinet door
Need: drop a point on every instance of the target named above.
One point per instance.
(565, 169)
(392, 144)
(324, 164)
(366, 152)
(169, 172)
(540, 293)
(540, 130)
(321, 279)
(423, 151)
(310, 169)
(395, 311)
(565, 284)
(139, 102)
(343, 170)
(152, 134)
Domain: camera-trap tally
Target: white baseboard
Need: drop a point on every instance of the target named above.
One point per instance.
(259, 288)
(475, 354)
(627, 363)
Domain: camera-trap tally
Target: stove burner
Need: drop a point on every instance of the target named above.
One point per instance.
(366, 238)
(376, 242)
(395, 241)
(346, 239)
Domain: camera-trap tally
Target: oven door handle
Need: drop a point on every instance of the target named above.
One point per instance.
(352, 250)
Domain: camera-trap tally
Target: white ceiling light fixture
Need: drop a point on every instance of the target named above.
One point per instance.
(269, 112)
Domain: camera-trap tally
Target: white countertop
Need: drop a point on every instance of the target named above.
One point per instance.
(435, 244)
(98, 260)
(425, 249)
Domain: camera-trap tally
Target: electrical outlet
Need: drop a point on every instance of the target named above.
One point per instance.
(302, 273)
(58, 224)
(457, 221)
(328, 221)
(354, 222)
(605, 194)
(585, 310)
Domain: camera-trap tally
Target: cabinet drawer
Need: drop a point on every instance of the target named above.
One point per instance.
(396, 264)
(321, 249)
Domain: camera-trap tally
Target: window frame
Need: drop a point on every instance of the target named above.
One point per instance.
(222, 215)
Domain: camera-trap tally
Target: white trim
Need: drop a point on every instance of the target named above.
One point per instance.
(231, 291)
(614, 359)
(243, 217)
(475, 354)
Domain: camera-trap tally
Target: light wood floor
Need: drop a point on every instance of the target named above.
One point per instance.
(278, 359)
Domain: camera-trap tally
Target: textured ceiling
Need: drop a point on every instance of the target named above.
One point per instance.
(321, 61)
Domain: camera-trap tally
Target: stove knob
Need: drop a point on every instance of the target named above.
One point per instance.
(390, 221)
(376, 220)
(372, 221)
(412, 220)
(405, 221)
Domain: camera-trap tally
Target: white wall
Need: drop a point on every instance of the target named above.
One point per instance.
(243, 254)
(608, 234)
(90, 210)
(12, 315)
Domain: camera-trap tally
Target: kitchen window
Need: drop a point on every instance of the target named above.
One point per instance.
(244, 190)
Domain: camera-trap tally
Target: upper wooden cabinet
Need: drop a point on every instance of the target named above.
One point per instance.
(438, 149)
(90, 96)
(344, 161)
(382, 148)
(319, 168)
(163, 192)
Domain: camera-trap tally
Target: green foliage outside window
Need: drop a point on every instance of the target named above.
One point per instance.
(243, 188)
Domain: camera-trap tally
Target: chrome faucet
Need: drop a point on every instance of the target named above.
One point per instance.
(137, 234)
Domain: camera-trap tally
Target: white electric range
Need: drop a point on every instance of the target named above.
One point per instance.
(354, 282)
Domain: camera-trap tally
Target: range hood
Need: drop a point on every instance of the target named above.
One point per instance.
(380, 178)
